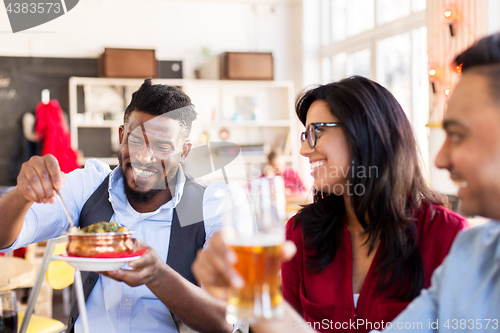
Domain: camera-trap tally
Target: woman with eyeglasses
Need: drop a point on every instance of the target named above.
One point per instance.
(375, 232)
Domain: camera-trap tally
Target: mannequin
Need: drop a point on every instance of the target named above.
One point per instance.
(45, 96)
(29, 119)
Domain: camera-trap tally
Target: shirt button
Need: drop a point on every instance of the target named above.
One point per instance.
(126, 300)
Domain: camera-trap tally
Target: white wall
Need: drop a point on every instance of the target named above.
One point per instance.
(493, 12)
(176, 29)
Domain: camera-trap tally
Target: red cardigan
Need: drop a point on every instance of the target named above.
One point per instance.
(325, 299)
(52, 129)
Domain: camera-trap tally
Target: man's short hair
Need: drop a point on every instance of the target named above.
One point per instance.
(159, 99)
(483, 58)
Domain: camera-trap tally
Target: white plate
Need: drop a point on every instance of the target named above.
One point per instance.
(94, 264)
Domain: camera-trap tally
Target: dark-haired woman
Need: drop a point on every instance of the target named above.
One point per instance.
(375, 232)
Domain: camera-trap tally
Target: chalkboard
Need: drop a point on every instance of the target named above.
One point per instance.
(22, 80)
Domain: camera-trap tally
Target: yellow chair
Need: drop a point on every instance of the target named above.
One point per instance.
(59, 275)
(41, 324)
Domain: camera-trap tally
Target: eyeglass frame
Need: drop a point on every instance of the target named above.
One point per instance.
(304, 136)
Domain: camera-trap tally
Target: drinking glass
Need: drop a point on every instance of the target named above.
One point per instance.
(255, 230)
(8, 312)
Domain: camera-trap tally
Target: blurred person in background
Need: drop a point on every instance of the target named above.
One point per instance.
(277, 167)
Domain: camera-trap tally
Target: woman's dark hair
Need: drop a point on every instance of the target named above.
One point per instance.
(380, 138)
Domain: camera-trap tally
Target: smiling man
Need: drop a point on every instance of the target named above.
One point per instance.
(149, 193)
(465, 291)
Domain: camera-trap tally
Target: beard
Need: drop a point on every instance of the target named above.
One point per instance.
(142, 197)
(133, 195)
(136, 196)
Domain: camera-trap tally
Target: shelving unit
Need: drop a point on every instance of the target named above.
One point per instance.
(252, 112)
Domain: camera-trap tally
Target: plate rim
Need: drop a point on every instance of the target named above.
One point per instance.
(65, 257)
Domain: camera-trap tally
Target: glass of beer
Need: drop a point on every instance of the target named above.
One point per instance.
(255, 230)
(8, 312)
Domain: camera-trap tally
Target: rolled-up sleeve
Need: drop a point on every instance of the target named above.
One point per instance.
(46, 221)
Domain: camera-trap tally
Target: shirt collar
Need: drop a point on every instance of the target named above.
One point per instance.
(491, 234)
(497, 254)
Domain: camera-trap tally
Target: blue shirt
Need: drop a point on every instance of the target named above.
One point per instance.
(465, 292)
(114, 306)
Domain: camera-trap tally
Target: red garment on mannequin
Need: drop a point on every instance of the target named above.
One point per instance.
(52, 129)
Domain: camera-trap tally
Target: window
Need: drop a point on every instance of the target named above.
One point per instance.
(384, 40)
(394, 67)
(390, 10)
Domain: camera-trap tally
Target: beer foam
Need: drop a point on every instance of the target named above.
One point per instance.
(260, 240)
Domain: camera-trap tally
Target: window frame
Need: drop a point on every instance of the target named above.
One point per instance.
(369, 39)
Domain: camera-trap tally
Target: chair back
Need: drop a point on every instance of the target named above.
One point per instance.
(59, 273)
(54, 246)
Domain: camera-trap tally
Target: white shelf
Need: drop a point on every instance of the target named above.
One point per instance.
(262, 158)
(214, 100)
(107, 160)
(266, 123)
(114, 160)
(97, 81)
(105, 123)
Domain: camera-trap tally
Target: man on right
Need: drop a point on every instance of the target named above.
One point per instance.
(465, 291)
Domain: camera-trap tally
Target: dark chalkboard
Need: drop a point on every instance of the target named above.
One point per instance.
(22, 80)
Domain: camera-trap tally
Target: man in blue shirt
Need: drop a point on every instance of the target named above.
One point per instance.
(465, 292)
(148, 193)
(464, 295)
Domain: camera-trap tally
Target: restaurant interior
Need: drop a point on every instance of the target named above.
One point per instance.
(242, 62)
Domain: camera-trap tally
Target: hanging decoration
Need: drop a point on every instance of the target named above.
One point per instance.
(450, 14)
(432, 78)
(451, 28)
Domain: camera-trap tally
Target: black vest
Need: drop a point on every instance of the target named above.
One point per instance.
(185, 241)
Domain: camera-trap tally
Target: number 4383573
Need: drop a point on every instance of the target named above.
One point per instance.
(471, 324)
(33, 8)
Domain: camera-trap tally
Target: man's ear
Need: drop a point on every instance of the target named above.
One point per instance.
(185, 150)
(121, 132)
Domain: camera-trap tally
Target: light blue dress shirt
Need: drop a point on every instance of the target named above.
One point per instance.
(114, 307)
(464, 295)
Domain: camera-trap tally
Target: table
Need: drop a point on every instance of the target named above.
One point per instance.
(15, 272)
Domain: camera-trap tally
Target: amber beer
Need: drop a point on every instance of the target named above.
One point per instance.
(258, 264)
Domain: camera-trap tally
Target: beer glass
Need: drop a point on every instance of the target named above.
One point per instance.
(255, 230)
(8, 312)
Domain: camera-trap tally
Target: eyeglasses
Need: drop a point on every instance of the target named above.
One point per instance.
(311, 132)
